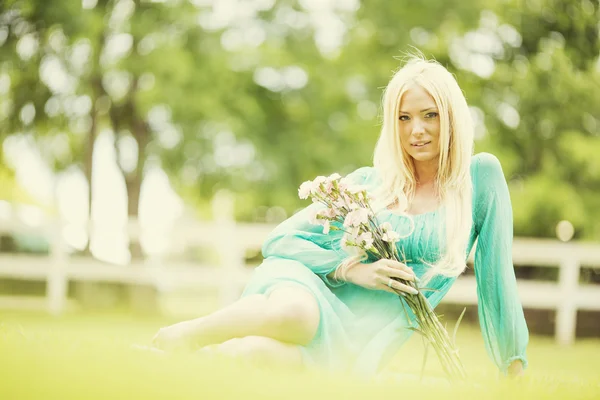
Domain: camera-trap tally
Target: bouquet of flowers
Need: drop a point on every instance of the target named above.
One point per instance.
(348, 208)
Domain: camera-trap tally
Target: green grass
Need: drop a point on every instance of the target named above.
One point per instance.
(88, 356)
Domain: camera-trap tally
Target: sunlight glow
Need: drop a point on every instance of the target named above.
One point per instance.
(67, 191)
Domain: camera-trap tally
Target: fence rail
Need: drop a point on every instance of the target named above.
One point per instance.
(231, 240)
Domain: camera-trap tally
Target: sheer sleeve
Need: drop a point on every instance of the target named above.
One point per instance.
(297, 239)
(500, 312)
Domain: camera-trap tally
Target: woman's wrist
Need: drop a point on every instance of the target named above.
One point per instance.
(515, 369)
(343, 272)
(337, 274)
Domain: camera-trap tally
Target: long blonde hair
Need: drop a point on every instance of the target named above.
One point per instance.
(453, 183)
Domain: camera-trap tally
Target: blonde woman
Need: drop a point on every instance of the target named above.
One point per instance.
(310, 303)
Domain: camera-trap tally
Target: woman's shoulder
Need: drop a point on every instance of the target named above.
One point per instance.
(484, 164)
(486, 173)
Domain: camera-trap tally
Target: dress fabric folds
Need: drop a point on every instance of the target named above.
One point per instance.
(361, 329)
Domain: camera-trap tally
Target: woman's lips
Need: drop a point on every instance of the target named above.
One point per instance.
(423, 144)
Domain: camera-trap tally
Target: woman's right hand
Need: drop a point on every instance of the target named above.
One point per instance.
(382, 273)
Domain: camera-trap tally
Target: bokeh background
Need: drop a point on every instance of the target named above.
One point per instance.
(157, 112)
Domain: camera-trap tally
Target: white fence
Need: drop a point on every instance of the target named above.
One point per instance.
(231, 240)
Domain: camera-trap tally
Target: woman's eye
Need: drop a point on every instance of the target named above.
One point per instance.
(403, 118)
(431, 115)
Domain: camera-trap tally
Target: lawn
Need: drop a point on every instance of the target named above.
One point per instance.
(88, 356)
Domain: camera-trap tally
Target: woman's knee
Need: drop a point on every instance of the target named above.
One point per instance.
(294, 312)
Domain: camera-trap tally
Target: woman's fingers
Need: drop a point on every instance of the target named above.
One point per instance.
(394, 286)
(399, 266)
(399, 273)
(403, 288)
(389, 274)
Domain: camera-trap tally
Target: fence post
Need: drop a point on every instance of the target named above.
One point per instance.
(566, 310)
(228, 247)
(56, 283)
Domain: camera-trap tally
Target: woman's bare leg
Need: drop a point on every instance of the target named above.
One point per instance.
(288, 314)
(262, 349)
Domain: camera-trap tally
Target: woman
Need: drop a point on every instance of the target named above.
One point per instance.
(310, 303)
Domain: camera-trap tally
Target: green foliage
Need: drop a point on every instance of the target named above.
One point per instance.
(548, 80)
(257, 105)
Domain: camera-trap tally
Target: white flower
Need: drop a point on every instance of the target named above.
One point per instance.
(348, 242)
(339, 202)
(328, 185)
(354, 206)
(322, 216)
(391, 236)
(314, 214)
(316, 186)
(334, 177)
(357, 217)
(350, 247)
(386, 226)
(330, 213)
(347, 198)
(344, 183)
(305, 190)
(365, 239)
(326, 227)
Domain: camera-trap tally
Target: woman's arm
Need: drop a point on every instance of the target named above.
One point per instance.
(501, 316)
(297, 239)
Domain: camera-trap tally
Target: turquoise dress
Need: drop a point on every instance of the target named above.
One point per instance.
(361, 329)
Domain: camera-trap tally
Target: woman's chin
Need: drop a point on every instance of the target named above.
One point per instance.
(424, 156)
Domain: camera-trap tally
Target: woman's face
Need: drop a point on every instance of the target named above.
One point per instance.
(419, 125)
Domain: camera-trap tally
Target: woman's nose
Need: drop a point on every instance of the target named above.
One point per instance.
(418, 127)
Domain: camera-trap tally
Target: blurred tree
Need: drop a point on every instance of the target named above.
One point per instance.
(44, 60)
(541, 113)
(308, 96)
(258, 97)
(74, 70)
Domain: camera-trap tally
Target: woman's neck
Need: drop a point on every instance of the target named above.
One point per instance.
(426, 172)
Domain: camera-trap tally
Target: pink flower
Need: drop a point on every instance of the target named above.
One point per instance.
(357, 217)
